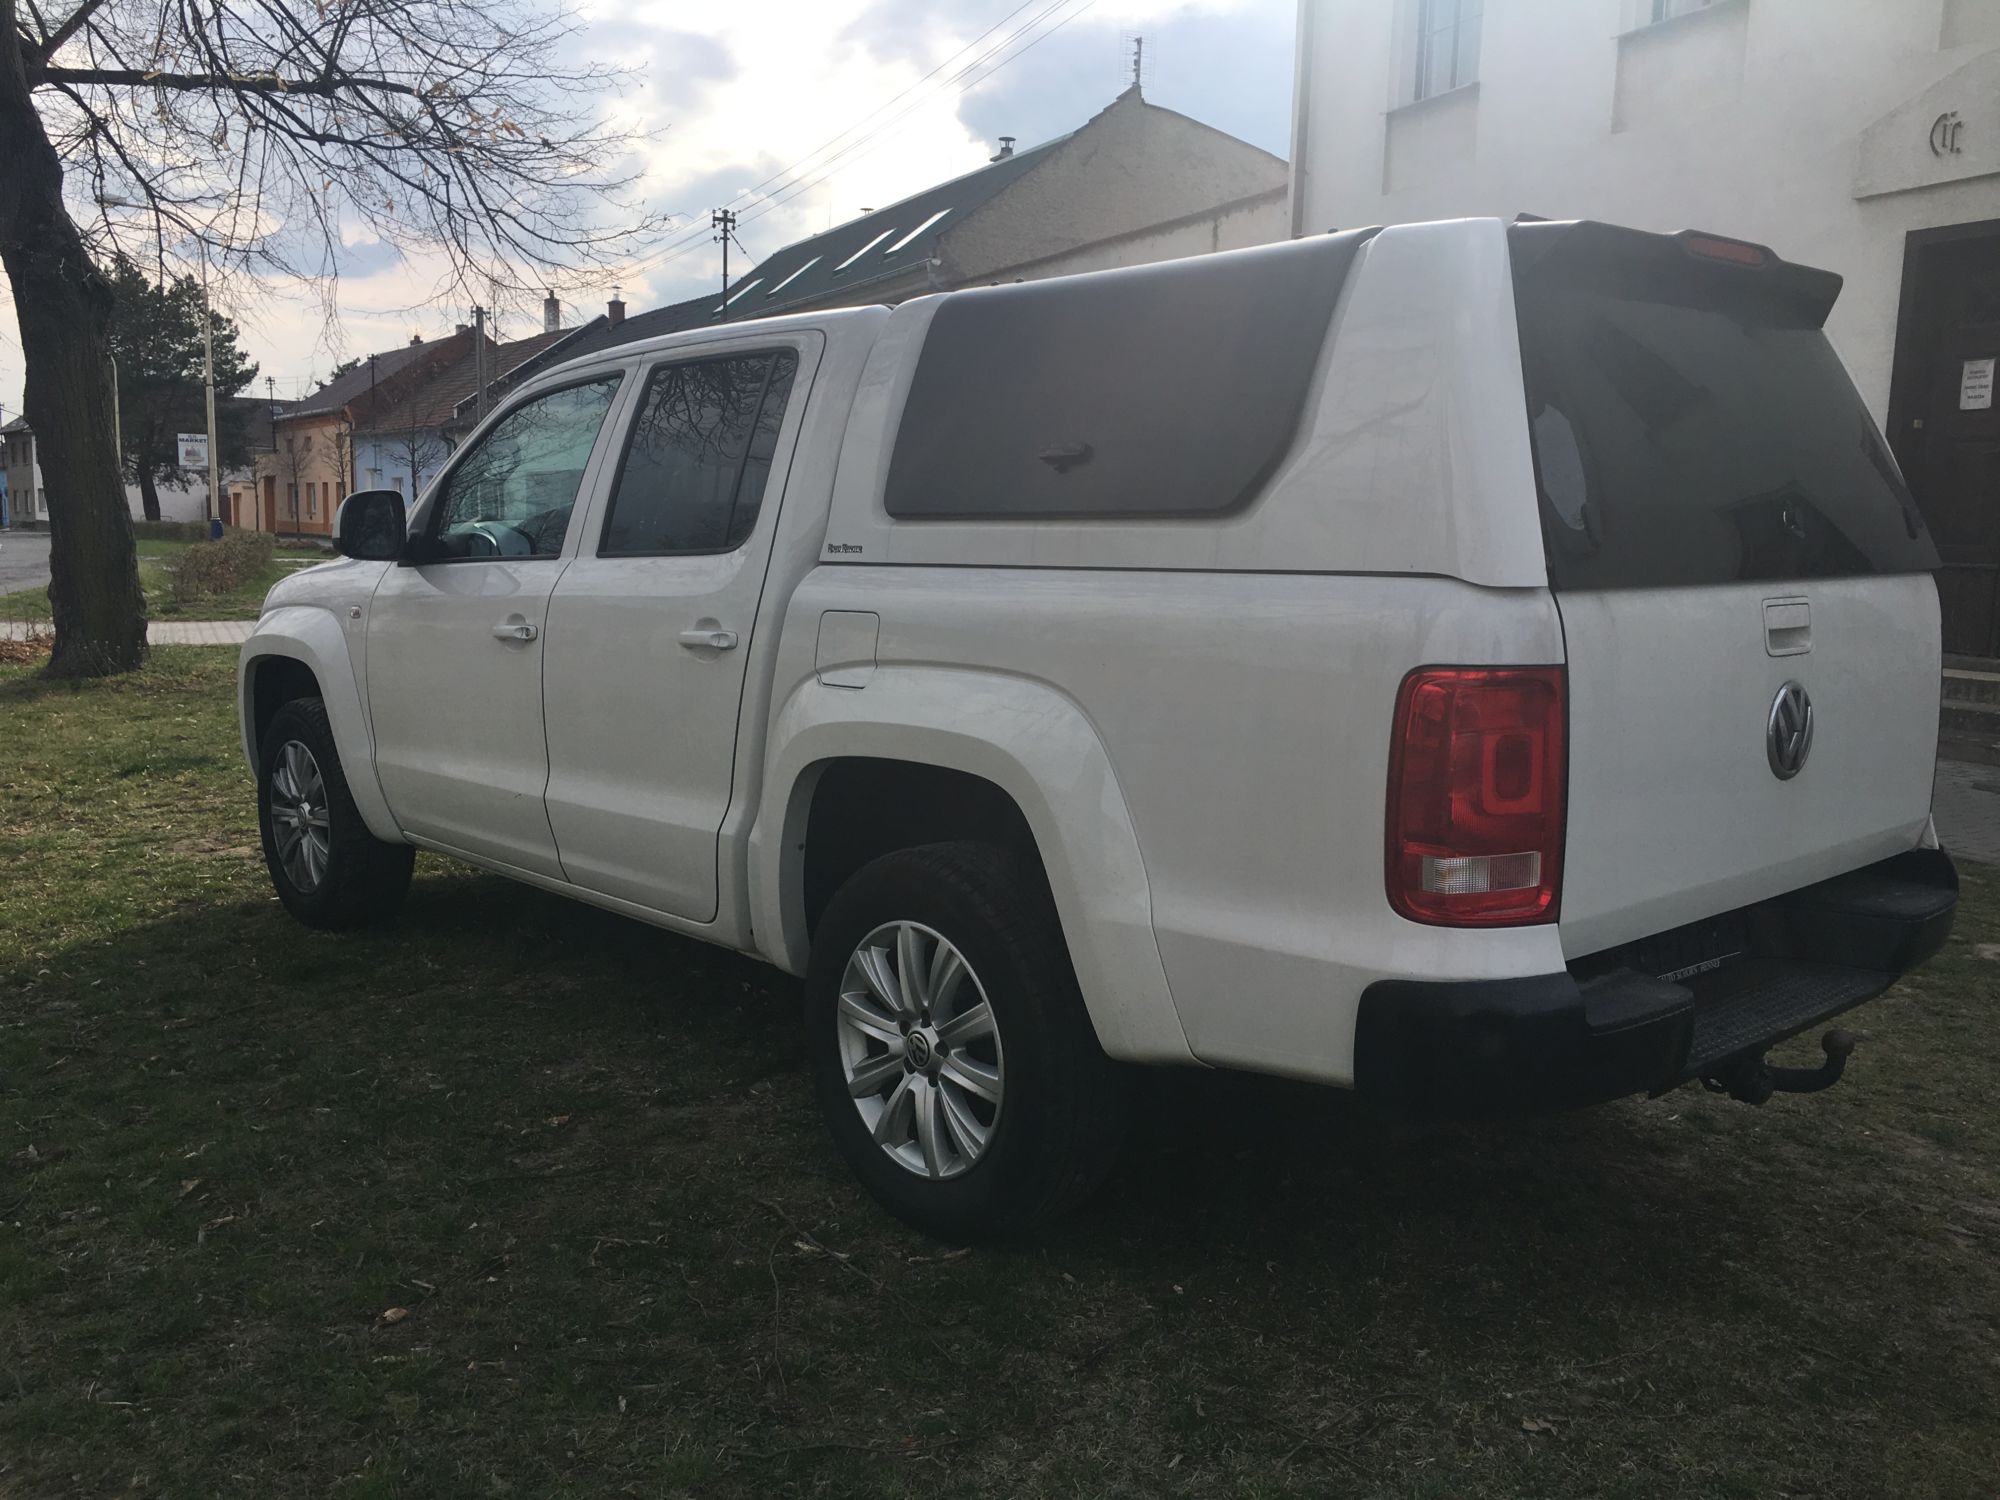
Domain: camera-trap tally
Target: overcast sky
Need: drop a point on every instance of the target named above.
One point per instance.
(739, 94)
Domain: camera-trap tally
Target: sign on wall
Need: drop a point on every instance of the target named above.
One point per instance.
(194, 450)
(1975, 385)
(1948, 133)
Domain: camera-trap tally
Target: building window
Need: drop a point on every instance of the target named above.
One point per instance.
(1448, 45)
(1666, 10)
(312, 502)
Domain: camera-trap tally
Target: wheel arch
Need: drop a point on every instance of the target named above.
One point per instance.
(297, 652)
(954, 754)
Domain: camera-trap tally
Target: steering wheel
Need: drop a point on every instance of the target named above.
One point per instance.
(489, 532)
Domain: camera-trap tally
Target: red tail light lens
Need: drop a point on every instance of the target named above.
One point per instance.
(1715, 247)
(1477, 770)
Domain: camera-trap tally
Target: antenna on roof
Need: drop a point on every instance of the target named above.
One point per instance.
(1138, 61)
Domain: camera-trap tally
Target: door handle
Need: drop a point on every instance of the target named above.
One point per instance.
(515, 630)
(709, 637)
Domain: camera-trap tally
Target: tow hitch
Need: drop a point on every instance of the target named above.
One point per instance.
(1753, 1080)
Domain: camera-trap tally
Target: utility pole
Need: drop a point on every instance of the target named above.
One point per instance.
(479, 364)
(724, 222)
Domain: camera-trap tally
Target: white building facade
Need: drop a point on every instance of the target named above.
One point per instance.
(1858, 135)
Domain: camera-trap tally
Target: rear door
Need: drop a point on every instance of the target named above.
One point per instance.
(1750, 621)
(650, 628)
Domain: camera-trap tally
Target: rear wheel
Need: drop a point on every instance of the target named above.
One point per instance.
(325, 865)
(954, 1062)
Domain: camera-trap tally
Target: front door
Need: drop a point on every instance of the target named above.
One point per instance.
(650, 627)
(1946, 426)
(455, 637)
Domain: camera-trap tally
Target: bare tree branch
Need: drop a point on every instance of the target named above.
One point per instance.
(131, 77)
(68, 29)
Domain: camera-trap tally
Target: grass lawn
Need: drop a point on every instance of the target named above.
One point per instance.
(517, 1198)
(155, 557)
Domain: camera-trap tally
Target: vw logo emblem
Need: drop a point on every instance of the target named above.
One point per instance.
(1789, 731)
(920, 1050)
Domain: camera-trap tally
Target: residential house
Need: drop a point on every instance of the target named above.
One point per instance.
(240, 485)
(401, 444)
(1858, 135)
(187, 501)
(310, 467)
(27, 501)
(1133, 185)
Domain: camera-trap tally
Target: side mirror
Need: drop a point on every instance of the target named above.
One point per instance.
(370, 525)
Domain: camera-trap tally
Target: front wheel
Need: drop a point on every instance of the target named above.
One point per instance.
(325, 865)
(953, 1059)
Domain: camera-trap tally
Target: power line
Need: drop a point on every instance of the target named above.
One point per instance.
(693, 241)
(785, 195)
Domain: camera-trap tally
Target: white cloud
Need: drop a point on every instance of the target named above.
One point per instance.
(737, 95)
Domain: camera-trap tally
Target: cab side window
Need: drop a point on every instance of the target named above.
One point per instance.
(512, 495)
(698, 456)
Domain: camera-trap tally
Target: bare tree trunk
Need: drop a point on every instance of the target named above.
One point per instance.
(64, 307)
(149, 492)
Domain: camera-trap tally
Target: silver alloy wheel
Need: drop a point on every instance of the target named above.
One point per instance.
(920, 1050)
(298, 816)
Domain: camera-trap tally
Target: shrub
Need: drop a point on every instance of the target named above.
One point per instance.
(222, 567)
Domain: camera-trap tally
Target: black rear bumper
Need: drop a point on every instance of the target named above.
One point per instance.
(1609, 1026)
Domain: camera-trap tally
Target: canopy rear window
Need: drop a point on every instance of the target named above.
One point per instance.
(1691, 423)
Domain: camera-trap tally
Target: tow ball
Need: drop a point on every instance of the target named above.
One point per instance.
(1753, 1080)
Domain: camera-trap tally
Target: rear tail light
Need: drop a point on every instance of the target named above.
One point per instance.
(1477, 769)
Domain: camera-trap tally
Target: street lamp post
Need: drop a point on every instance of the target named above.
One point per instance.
(208, 379)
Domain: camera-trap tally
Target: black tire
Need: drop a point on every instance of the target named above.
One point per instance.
(1065, 1105)
(363, 879)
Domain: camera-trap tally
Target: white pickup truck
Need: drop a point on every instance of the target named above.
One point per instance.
(1485, 666)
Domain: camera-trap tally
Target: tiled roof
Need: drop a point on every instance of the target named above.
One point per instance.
(356, 382)
(674, 318)
(877, 245)
(837, 265)
(432, 403)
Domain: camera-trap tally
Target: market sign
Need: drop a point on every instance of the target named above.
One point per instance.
(194, 450)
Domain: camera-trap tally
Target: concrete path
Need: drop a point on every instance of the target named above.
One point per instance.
(161, 632)
(1966, 805)
(24, 560)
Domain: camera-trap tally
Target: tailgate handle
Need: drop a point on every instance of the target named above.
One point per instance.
(1787, 627)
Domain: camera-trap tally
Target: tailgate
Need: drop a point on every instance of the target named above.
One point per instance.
(1749, 620)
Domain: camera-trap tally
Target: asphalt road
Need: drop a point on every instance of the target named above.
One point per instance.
(24, 560)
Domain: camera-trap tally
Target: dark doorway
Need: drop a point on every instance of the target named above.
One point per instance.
(1944, 418)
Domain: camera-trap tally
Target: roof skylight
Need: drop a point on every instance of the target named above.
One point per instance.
(795, 276)
(740, 293)
(917, 231)
(863, 250)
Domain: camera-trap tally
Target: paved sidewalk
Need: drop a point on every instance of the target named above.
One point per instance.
(1967, 813)
(161, 632)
